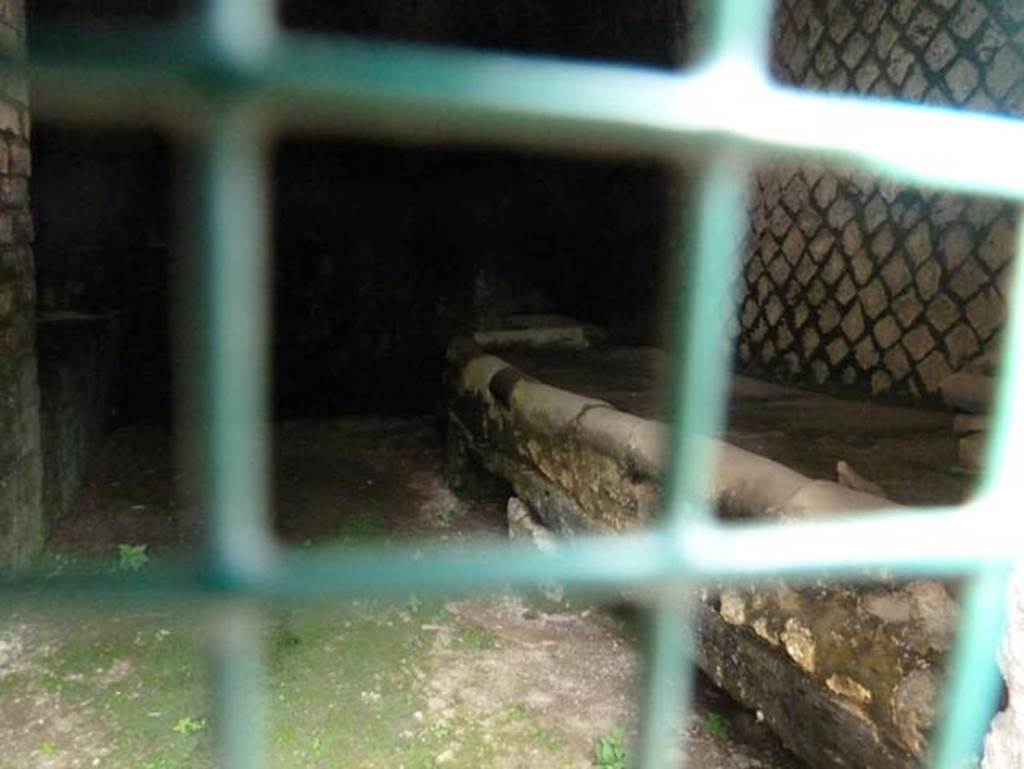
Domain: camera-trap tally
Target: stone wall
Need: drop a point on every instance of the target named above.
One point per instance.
(853, 283)
(21, 527)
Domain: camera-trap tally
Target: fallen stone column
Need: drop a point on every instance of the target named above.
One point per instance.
(847, 676)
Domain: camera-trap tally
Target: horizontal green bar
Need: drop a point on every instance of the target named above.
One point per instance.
(957, 543)
(912, 541)
(451, 95)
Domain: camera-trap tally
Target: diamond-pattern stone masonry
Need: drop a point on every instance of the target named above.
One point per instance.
(853, 283)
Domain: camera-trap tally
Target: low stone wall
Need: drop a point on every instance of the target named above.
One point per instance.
(76, 363)
(846, 676)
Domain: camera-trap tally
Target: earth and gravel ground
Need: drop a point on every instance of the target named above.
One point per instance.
(505, 681)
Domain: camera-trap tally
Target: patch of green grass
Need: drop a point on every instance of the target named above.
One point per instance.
(716, 725)
(48, 749)
(473, 638)
(80, 659)
(346, 689)
(132, 672)
(546, 739)
(11, 683)
(610, 751)
(442, 730)
(517, 712)
(345, 693)
(446, 515)
(187, 726)
(131, 557)
(360, 524)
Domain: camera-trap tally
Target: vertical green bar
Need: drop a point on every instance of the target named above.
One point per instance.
(668, 681)
(700, 378)
(227, 309)
(231, 227)
(239, 29)
(224, 308)
(738, 43)
(1005, 453)
(238, 687)
(739, 34)
(972, 693)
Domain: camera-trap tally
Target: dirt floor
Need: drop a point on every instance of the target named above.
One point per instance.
(507, 681)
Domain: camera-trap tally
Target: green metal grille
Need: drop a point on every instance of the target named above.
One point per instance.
(230, 79)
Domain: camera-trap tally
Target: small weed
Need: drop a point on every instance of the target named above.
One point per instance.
(516, 712)
(441, 730)
(413, 644)
(318, 746)
(547, 739)
(446, 515)
(716, 725)
(188, 725)
(48, 749)
(131, 557)
(10, 682)
(414, 604)
(362, 524)
(610, 751)
(473, 638)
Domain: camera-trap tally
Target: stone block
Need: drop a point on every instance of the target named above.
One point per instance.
(908, 309)
(961, 344)
(846, 290)
(896, 362)
(933, 369)
(942, 313)
(968, 392)
(10, 118)
(881, 382)
(14, 191)
(853, 323)
(896, 275)
(998, 247)
(967, 280)
(919, 243)
(986, 313)
(12, 40)
(919, 342)
(970, 451)
(867, 353)
(961, 79)
(927, 280)
(955, 246)
(873, 299)
(969, 17)
(837, 350)
(20, 160)
(1005, 71)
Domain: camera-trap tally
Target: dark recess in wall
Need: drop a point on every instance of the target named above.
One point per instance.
(382, 252)
(104, 241)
